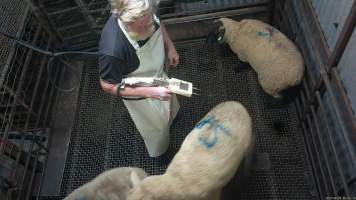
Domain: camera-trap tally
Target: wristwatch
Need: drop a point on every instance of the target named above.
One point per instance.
(120, 87)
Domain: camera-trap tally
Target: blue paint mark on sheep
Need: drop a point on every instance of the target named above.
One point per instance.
(217, 128)
(82, 198)
(268, 33)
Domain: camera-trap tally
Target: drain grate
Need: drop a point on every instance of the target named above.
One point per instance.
(104, 135)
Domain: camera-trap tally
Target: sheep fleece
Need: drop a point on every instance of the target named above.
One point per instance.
(273, 56)
(113, 184)
(208, 158)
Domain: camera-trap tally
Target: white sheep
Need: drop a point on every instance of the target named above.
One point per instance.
(113, 184)
(271, 54)
(208, 158)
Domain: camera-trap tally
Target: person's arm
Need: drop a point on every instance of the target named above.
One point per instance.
(160, 93)
(173, 56)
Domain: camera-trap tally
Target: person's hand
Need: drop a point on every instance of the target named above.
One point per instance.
(160, 93)
(173, 57)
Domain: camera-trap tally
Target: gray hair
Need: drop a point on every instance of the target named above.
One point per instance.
(130, 10)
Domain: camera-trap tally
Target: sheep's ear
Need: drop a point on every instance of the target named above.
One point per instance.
(217, 25)
(134, 179)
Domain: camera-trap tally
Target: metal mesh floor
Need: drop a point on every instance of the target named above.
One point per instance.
(104, 135)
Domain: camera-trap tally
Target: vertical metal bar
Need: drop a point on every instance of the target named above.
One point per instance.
(53, 89)
(344, 38)
(318, 160)
(333, 148)
(19, 87)
(339, 118)
(18, 91)
(42, 102)
(37, 84)
(13, 48)
(272, 6)
(311, 157)
(317, 126)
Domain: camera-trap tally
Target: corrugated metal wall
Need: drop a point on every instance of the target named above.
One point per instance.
(347, 68)
(332, 15)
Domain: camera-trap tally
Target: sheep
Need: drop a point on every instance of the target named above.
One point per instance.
(113, 184)
(277, 61)
(208, 158)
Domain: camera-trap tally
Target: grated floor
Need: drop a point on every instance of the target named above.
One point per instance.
(104, 135)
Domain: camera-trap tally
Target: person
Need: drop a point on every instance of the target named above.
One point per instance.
(132, 44)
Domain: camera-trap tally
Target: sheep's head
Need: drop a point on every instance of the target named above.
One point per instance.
(217, 32)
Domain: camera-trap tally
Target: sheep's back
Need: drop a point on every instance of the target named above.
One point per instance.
(213, 150)
(273, 56)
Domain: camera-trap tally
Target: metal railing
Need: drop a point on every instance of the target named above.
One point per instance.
(26, 99)
(324, 109)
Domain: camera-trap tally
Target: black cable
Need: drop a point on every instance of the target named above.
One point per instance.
(53, 55)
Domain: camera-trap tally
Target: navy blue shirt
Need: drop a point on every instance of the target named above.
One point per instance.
(117, 56)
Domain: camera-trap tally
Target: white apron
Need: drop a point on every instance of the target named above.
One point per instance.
(151, 117)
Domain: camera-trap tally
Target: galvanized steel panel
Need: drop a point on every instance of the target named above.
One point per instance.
(217, 4)
(332, 15)
(347, 68)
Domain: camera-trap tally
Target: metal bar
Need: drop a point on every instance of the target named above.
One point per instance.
(339, 118)
(211, 11)
(97, 10)
(79, 35)
(13, 48)
(16, 98)
(318, 159)
(323, 45)
(304, 105)
(344, 38)
(18, 90)
(71, 26)
(37, 84)
(63, 11)
(299, 109)
(87, 16)
(272, 8)
(317, 126)
(311, 157)
(333, 148)
(58, 76)
(47, 22)
(42, 102)
(307, 93)
(19, 87)
(84, 44)
(201, 17)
